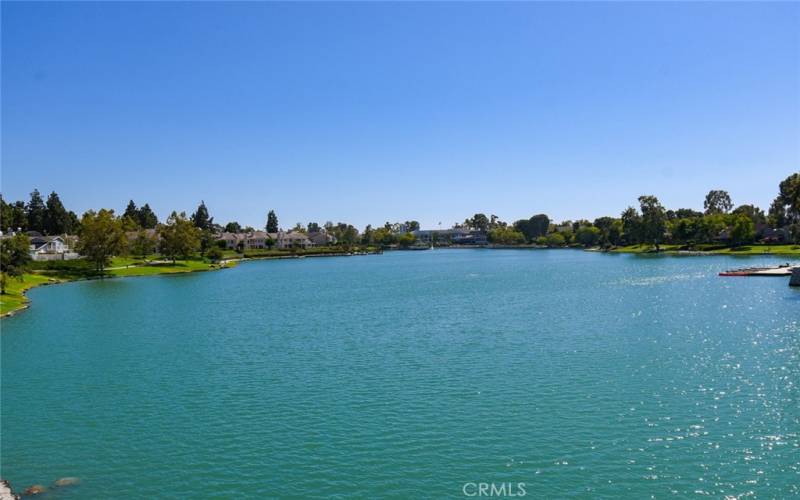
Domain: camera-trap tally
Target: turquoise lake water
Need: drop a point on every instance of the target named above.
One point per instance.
(410, 375)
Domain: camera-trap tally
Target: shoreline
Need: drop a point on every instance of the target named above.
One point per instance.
(227, 263)
(223, 264)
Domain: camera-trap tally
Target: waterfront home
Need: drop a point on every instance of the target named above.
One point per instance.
(292, 239)
(775, 235)
(455, 236)
(231, 240)
(321, 238)
(51, 248)
(257, 240)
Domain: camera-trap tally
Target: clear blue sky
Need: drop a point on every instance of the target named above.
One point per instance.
(372, 112)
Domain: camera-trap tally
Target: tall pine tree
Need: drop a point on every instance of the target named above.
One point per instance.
(35, 212)
(131, 211)
(200, 217)
(56, 217)
(147, 218)
(272, 222)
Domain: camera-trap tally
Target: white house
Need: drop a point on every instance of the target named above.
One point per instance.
(50, 248)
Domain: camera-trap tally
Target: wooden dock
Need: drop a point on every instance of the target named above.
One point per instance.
(782, 270)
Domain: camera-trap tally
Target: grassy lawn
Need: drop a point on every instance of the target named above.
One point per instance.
(754, 249)
(56, 271)
(645, 248)
(14, 299)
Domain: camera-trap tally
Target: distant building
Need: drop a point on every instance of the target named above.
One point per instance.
(454, 236)
(258, 240)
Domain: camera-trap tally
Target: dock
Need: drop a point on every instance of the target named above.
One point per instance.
(781, 270)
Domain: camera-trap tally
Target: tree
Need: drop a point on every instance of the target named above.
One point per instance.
(233, 227)
(19, 216)
(147, 218)
(789, 198)
(215, 254)
(742, 230)
(653, 220)
(412, 225)
(6, 215)
(631, 226)
(179, 237)
(753, 212)
(588, 236)
(405, 240)
(56, 217)
(506, 236)
(272, 222)
(610, 230)
(35, 212)
(479, 222)
(312, 227)
(143, 244)
(200, 218)
(717, 202)
(14, 258)
(534, 227)
(555, 240)
(131, 211)
(101, 236)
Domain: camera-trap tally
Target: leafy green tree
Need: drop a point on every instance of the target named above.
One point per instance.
(506, 236)
(35, 212)
(101, 236)
(588, 236)
(384, 236)
(777, 216)
(348, 234)
(610, 230)
(200, 218)
(312, 227)
(479, 222)
(14, 258)
(56, 217)
(710, 227)
(368, 238)
(19, 218)
(179, 237)
(789, 198)
(147, 218)
(6, 215)
(555, 240)
(207, 240)
(143, 244)
(215, 254)
(683, 230)
(687, 213)
(717, 202)
(534, 227)
(233, 227)
(654, 220)
(272, 222)
(742, 230)
(406, 240)
(631, 226)
(412, 225)
(753, 212)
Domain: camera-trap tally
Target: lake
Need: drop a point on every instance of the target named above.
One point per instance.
(410, 375)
